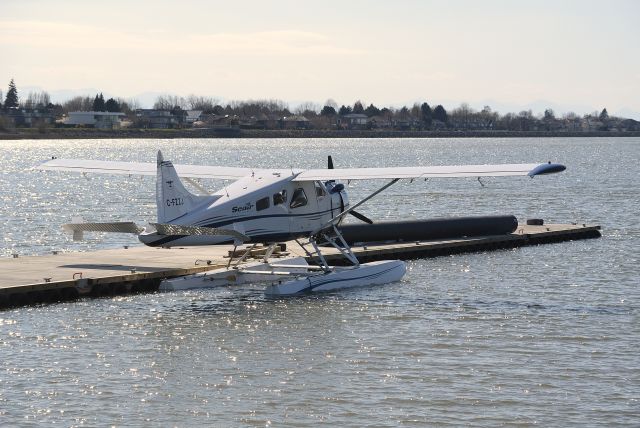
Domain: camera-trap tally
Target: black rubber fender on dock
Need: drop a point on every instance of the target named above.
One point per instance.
(423, 230)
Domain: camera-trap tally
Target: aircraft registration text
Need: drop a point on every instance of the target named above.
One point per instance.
(175, 202)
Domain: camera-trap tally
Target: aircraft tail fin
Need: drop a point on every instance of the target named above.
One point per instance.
(173, 200)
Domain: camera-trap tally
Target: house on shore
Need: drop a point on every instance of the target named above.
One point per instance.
(295, 122)
(28, 116)
(379, 122)
(353, 121)
(161, 119)
(628, 125)
(267, 121)
(94, 119)
(193, 116)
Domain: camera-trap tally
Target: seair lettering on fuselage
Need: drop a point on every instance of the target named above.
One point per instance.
(245, 207)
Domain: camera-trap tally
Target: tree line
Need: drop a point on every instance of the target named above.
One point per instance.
(419, 115)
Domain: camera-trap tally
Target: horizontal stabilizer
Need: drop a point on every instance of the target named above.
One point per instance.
(116, 227)
(175, 229)
(113, 227)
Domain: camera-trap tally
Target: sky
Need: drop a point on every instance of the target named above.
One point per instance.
(511, 55)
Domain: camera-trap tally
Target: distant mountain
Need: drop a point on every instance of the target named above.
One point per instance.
(146, 99)
(60, 95)
(539, 106)
(627, 113)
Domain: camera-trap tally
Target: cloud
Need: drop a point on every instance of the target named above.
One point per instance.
(280, 63)
(75, 37)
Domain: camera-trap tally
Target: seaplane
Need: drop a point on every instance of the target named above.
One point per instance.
(269, 206)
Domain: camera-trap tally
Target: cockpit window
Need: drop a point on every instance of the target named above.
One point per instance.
(299, 198)
(320, 192)
(280, 197)
(262, 204)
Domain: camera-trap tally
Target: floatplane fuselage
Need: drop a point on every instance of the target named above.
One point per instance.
(266, 206)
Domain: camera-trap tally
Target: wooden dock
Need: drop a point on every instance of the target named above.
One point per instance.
(50, 278)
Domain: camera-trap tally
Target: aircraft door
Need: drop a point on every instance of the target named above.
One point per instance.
(279, 221)
(325, 203)
(303, 208)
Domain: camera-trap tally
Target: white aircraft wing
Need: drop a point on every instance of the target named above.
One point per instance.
(429, 172)
(225, 172)
(141, 168)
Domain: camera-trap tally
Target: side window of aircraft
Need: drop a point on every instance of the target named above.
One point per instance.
(299, 198)
(320, 192)
(280, 198)
(262, 204)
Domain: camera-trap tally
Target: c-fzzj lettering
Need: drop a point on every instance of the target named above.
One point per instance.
(175, 202)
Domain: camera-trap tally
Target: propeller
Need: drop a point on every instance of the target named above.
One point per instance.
(356, 214)
(362, 217)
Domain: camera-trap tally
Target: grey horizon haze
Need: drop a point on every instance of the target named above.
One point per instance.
(571, 56)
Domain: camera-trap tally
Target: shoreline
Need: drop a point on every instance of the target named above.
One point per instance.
(89, 133)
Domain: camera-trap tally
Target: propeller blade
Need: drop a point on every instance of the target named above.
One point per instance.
(362, 217)
(330, 162)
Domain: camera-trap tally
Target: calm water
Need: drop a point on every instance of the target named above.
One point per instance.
(543, 335)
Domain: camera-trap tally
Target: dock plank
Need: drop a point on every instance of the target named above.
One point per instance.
(133, 261)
